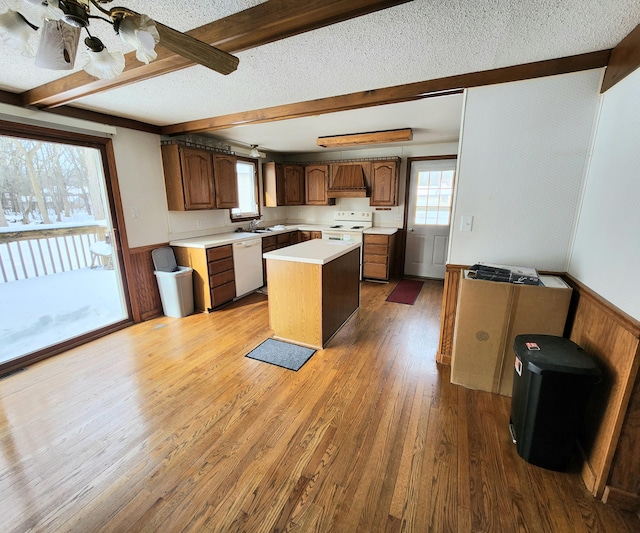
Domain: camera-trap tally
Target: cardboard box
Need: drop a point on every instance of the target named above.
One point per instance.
(489, 316)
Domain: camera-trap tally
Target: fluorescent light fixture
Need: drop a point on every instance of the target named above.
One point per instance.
(357, 139)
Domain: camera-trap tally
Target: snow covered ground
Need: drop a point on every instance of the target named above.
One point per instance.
(39, 312)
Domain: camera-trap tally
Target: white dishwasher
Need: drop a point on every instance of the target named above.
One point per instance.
(247, 266)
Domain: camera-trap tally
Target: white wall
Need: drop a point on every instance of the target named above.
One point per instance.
(141, 181)
(606, 251)
(522, 165)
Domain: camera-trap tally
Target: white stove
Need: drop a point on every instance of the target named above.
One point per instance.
(348, 226)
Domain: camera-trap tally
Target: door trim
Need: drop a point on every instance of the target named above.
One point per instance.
(105, 146)
(401, 249)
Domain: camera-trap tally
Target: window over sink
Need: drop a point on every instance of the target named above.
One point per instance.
(247, 179)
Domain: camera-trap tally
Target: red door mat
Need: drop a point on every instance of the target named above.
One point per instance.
(406, 292)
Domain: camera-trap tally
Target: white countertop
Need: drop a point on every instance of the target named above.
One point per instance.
(380, 231)
(220, 239)
(316, 251)
(211, 241)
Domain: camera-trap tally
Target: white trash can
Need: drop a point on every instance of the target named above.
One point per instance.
(174, 283)
(176, 291)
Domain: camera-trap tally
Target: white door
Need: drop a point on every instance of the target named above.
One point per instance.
(428, 222)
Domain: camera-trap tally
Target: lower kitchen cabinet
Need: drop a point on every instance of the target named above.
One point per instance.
(378, 256)
(268, 245)
(273, 242)
(308, 235)
(222, 285)
(283, 239)
(213, 276)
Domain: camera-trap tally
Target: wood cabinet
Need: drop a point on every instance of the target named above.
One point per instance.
(308, 235)
(283, 184)
(225, 180)
(268, 245)
(213, 275)
(378, 256)
(293, 184)
(316, 182)
(384, 183)
(273, 242)
(188, 175)
(199, 179)
(222, 285)
(324, 296)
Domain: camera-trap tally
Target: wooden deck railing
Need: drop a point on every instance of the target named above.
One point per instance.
(30, 253)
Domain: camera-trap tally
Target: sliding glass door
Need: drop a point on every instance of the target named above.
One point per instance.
(60, 269)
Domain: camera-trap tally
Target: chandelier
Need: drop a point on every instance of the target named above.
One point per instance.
(61, 22)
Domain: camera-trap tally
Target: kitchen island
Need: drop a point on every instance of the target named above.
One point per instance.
(314, 288)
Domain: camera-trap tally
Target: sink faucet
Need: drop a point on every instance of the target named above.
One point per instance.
(253, 224)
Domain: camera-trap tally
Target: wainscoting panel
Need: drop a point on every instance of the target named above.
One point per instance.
(613, 429)
(144, 288)
(448, 317)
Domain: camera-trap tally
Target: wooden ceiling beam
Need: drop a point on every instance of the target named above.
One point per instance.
(267, 22)
(396, 94)
(625, 58)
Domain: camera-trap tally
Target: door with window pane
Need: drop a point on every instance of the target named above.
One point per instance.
(429, 217)
(60, 269)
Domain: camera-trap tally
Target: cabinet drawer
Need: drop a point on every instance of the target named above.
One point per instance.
(224, 293)
(376, 239)
(219, 252)
(375, 249)
(375, 271)
(268, 243)
(378, 259)
(220, 266)
(222, 278)
(283, 239)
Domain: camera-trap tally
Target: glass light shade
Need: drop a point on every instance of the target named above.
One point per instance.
(37, 11)
(103, 64)
(58, 45)
(141, 33)
(15, 32)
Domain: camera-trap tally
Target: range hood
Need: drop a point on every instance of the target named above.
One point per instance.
(348, 183)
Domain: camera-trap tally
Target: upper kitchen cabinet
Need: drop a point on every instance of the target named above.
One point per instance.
(316, 182)
(293, 185)
(384, 183)
(225, 180)
(283, 184)
(188, 175)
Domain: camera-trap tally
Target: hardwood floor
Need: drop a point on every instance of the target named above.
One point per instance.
(166, 426)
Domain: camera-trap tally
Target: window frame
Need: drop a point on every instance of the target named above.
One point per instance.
(112, 189)
(256, 179)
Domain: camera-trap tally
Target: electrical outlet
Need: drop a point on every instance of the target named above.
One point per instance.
(199, 223)
(135, 213)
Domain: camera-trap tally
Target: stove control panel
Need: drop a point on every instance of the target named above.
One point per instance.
(355, 216)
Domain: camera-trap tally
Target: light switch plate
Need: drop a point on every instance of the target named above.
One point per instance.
(466, 223)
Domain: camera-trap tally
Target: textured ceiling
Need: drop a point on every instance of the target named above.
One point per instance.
(416, 41)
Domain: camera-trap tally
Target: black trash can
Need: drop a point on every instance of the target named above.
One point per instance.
(552, 383)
